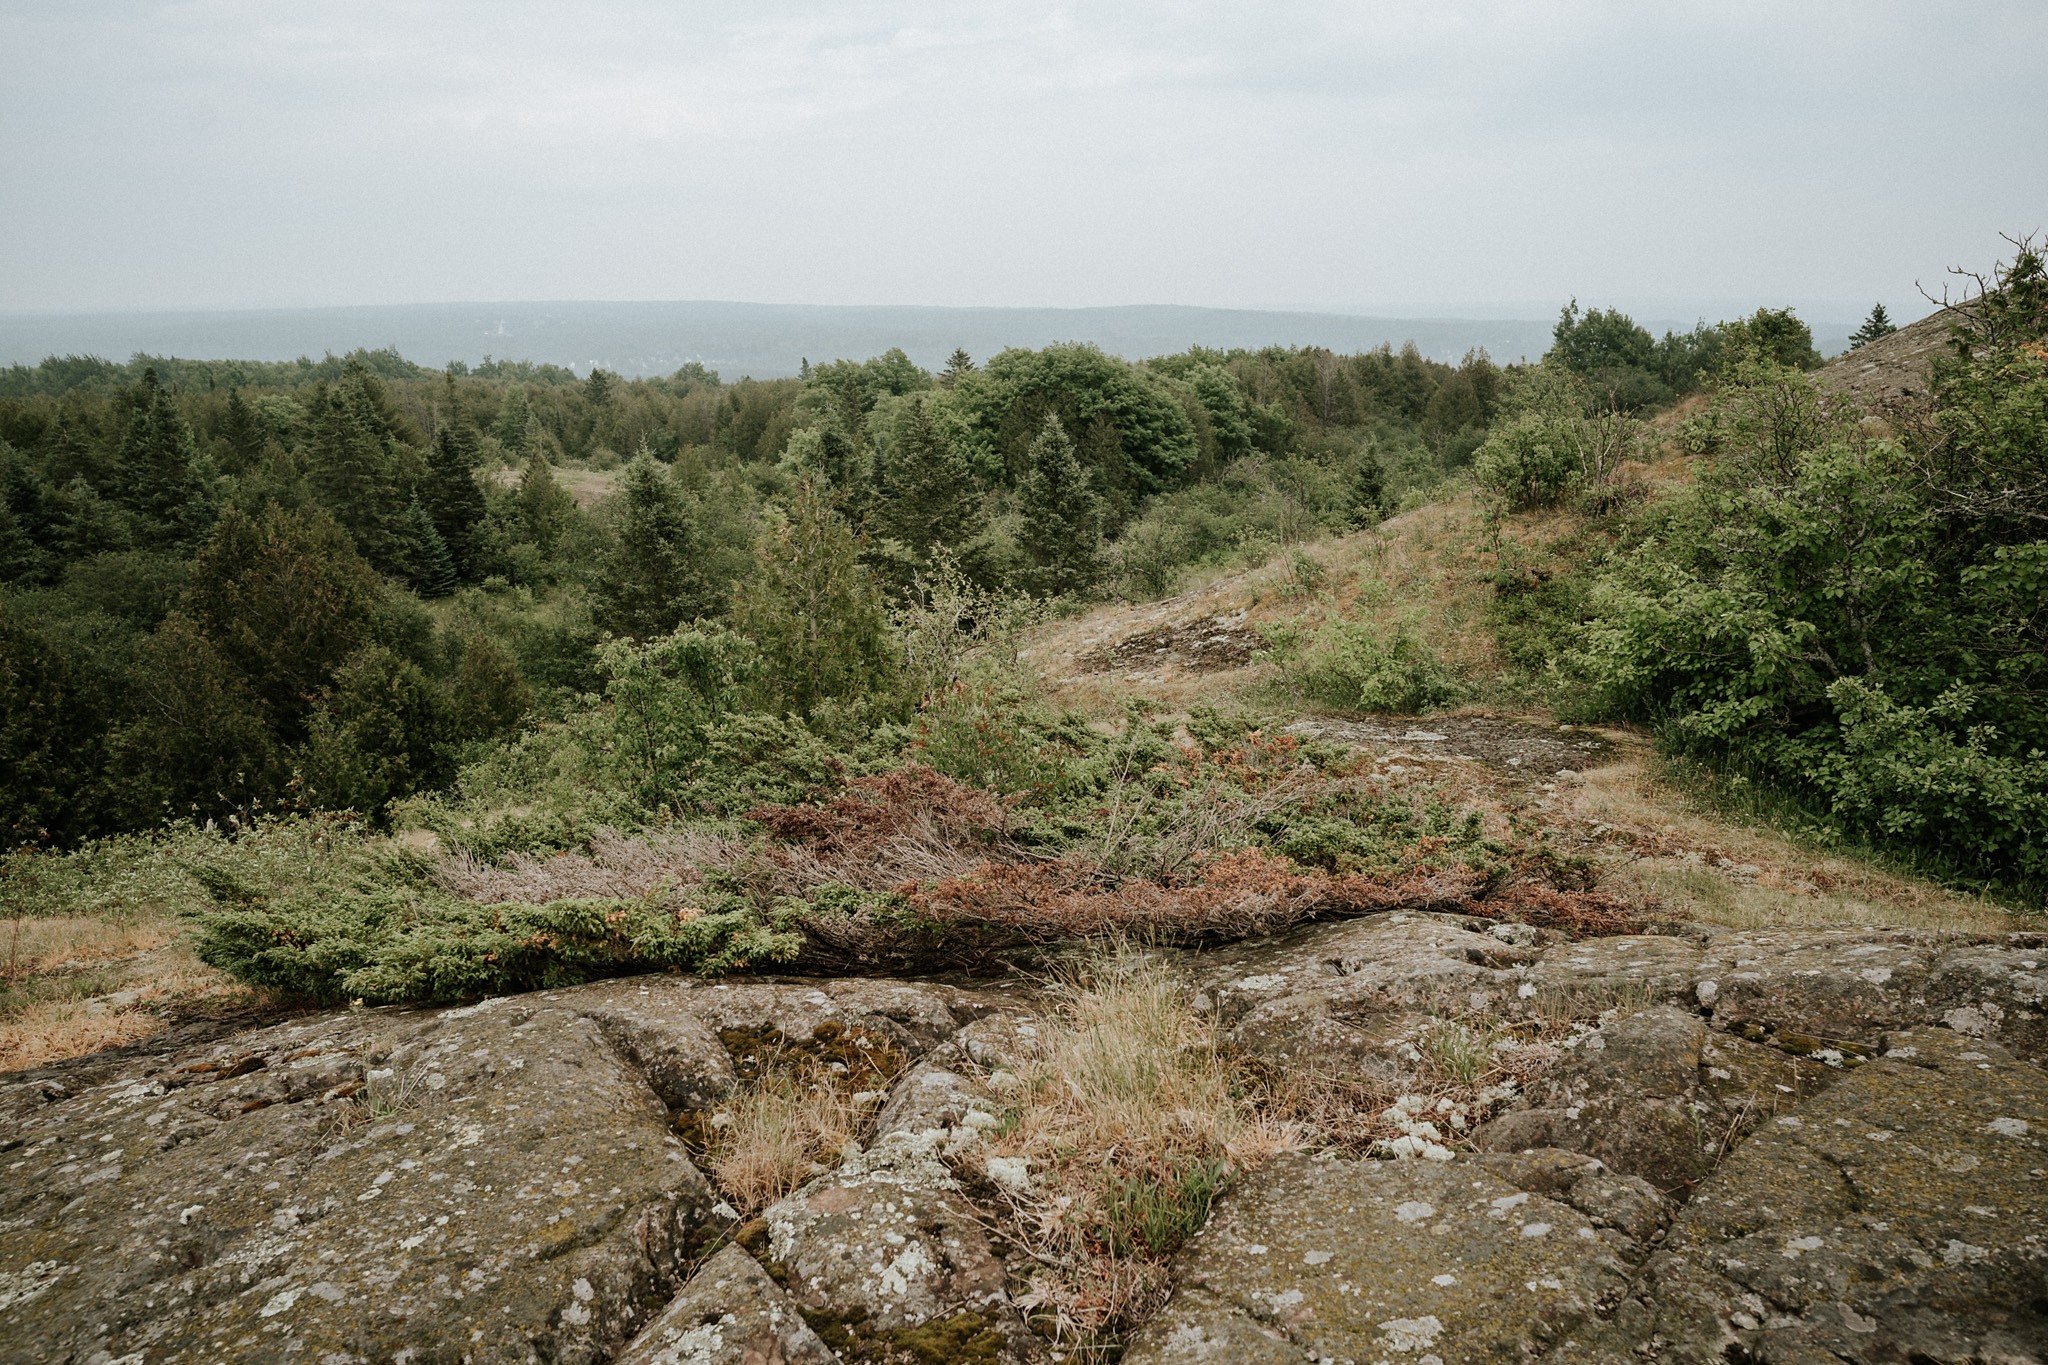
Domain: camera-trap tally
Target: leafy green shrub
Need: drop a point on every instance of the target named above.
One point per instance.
(1354, 666)
(1531, 462)
(1859, 622)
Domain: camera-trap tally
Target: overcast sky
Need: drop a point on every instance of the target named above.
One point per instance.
(1379, 157)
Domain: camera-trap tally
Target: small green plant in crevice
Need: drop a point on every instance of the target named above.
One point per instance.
(1151, 1212)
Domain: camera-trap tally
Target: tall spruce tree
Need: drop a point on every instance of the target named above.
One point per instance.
(159, 477)
(815, 613)
(1062, 532)
(243, 434)
(428, 566)
(934, 504)
(544, 505)
(1878, 324)
(353, 473)
(651, 578)
(513, 413)
(957, 364)
(451, 495)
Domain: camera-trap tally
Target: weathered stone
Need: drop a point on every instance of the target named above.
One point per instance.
(1629, 1204)
(1997, 992)
(887, 1247)
(1327, 1259)
(1655, 1094)
(730, 1313)
(1630, 970)
(1352, 998)
(1548, 1171)
(501, 1182)
(1902, 1216)
(1819, 988)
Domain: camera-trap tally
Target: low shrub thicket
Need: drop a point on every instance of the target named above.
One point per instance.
(1356, 667)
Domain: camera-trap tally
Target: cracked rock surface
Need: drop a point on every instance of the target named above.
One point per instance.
(1773, 1147)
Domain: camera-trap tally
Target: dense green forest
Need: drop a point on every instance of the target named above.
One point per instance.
(524, 610)
(238, 588)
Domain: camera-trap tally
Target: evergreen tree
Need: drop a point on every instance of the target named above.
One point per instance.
(243, 434)
(284, 597)
(957, 364)
(51, 738)
(815, 614)
(597, 390)
(934, 504)
(1062, 532)
(353, 473)
(1878, 324)
(487, 697)
(544, 505)
(451, 495)
(196, 745)
(513, 415)
(382, 731)
(651, 579)
(428, 567)
(159, 478)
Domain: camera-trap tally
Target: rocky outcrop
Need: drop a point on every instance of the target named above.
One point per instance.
(730, 1313)
(1901, 1217)
(1329, 1259)
(1767, 1146)
(500, 1182)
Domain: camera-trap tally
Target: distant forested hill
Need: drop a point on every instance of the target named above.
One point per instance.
(762, 340)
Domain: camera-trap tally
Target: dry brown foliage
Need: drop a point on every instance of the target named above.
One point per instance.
(1245, 892)
(617, 866)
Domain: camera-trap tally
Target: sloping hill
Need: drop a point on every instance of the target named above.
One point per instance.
(1891, 369)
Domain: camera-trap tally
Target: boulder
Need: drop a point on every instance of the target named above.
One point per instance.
(1350, 998)
(1624, 969)
(1995, 991)
(1654, 1094)
(888, 1256)
(503, 1180)
(1329, 1259)
(730, 1313)
(495, 1176)
(1900, 1216)
(1820, 989)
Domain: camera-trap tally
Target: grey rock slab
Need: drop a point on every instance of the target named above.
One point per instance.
(887, 1245)
(1900, 1216)
(1840, 987)
(1995, 991)
(730, 1313)
(502, 1181)
(1325, 1259)
(1637, 969)
(1349, 998)
(1655, 1094)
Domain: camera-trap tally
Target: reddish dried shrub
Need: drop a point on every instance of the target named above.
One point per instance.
(876, 811)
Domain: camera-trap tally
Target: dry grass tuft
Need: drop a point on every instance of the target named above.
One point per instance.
(1129, 1120)
(776, 1134)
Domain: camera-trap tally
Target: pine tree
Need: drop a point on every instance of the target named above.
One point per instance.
(1878, 324)
(513, 414)
(544, 505)
(451, 495)
(159, 480)
(428, 566)
(816, 615)
(243, 434)
(934, 504)
(285, 598)
(957, 364)
(651, 580)
(1062, 532)
(353, 473)
(597, 390)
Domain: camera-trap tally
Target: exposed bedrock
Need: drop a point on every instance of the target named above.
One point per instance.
(1767, 1146)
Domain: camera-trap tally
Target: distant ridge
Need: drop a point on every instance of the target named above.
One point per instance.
(736, 339)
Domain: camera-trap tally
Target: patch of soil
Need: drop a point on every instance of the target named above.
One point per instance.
(1209, 645)
(1519, 745)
